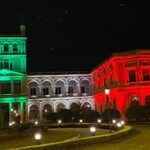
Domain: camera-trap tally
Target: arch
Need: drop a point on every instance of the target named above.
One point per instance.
(6, 48)
(75, 107)
(86, 106)
(60, 87)
(34, 113)
(47, 108)
(46, 80)
(72, 87)
(15, 47)
(32, 81)
(135, 101)
(33, 89)
(85, 86)
(46, 88)
(60, 106)
(147, 100)
(59, 80)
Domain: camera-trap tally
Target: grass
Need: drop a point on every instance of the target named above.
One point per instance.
(139, 140)
(53, 135)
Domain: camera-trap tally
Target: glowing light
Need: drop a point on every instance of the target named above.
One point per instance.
(93, 130)
(59, 121)
(36, 122)
(119, 125)
(46, 110)
(113, 121)
(107, 91)
(37, 136)
(99, 120)
(122, 122)
(81, 121)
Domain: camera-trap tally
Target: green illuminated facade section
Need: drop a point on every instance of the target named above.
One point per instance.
(13, 95)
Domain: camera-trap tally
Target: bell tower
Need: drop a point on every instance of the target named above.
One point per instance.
(13, 52)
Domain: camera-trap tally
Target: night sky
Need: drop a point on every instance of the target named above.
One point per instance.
(72, 36)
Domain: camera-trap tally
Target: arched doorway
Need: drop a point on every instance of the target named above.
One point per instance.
(135, 101)
(47, 109)
(60, 106)
(34, 112)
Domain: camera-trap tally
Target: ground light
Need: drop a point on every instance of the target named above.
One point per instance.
(92, 130)
(36, 122)
(59, 121)
(99, 121)
(119, 125)
(122, 122)
(113, 121)
(37, 138)
(80, 121)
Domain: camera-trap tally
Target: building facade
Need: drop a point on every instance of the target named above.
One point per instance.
(127, 75)
(30, 96)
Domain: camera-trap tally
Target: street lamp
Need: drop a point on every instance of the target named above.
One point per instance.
(113, 121)
(122, 122)
(59, 121)
(107, 104)
(80, 121)
(36, 122)
(92, 130)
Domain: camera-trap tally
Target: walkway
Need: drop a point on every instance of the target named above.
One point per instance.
(139, 140)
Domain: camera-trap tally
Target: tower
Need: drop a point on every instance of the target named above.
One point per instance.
(13, 99)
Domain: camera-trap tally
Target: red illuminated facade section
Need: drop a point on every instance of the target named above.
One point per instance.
(127, 75)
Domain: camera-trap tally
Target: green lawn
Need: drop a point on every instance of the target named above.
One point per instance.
(139, 140)
(53, 135)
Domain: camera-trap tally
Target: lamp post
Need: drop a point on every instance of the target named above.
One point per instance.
(107, 105)
(37, 138)
(92, 130)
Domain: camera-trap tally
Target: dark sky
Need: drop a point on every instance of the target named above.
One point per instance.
(72, 36)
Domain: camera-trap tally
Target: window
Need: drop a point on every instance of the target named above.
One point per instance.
(45, 91)
(6, 64)
(146, 75)
(33, 91)
(58, 90)
(6, 48)
(5, 88)
(82, 89)
(70, 90)
(11, 67)
(17, 87)
(132, 76)
(1, 65)
(15, 48)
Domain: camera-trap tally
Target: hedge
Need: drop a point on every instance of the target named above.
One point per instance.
(80, 142)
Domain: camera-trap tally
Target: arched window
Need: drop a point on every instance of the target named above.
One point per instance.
(6, 48)
(60, 89)
(15, 48)
(33, 89)
(85, 87)
(135, 101)
(72, 87)
(6, 64)
(46, 88)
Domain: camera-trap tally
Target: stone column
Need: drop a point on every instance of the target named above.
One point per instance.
(55, 109)
(10, 113)
(21, 111)
(66, 89)
(53, 90)
(79, 89)
(40, 112)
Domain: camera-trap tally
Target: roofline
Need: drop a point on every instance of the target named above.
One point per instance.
(115, 54)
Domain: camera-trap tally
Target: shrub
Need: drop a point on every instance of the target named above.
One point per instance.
(90, 115)
(110, 114)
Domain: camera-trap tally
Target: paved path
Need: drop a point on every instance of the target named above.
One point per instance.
(139, 140)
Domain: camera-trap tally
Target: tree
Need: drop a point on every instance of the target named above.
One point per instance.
(53, 117)
(110, 113)
(135, 112)
(65, 115)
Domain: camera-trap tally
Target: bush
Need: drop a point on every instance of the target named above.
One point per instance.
(52, 117)
(138, 113)
(90, 116)
(110, 114)
(65, 115)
